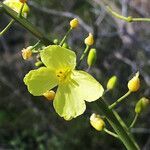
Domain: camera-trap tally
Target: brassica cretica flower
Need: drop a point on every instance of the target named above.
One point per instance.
(74, 86)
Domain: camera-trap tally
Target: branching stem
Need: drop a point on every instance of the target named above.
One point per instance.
(119, 100)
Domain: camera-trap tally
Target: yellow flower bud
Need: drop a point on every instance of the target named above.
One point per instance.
(49, 95)
(74, 23)
(91, 57)
(141, 105)
(89, 40)
(97, 122)
(27, 53)
(23, 1)
(111, 83)
(134, 83)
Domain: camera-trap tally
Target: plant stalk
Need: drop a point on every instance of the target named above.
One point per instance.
(26, 24)
(122, 132)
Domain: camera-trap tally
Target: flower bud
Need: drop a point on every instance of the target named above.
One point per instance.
(65, 45)
(49, 95)
(55, 41)
(23, 1)
(141, 105)
(134, 83)
(89, 40)
(111, 83)
(39, 64)
(91, 57)
(97, 122)
(74, 23)
(27, 53)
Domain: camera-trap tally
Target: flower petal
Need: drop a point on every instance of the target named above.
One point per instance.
(67, 102)
(89, 87)
(40, 80)
(56, 57)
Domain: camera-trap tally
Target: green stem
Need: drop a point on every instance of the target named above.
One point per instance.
(65, 37)
(127, 19)
(26, 24)
(119, 100)
(122, 132)
(134, 121)
(141, 19)
(110, 133)
(7, 27)
(83, 55)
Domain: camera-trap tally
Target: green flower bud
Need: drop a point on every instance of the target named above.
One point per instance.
(65, 45)
(39, 64)
(112, 82)
(91, 57)
(141, 105)
(55, 41)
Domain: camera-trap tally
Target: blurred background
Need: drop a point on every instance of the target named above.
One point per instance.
(28, 122)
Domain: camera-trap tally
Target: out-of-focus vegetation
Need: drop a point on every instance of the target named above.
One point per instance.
(28, 122)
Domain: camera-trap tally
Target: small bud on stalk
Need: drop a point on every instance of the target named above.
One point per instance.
(27, 53)
(111, 83)
(49, 95)
(91, 57)
(134, 83)
(74, 23)
(89, 40)
(97, 122)
(141, 105)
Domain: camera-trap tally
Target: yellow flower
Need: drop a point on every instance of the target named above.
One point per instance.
(134, 83)
(97, 122)
(89, 40)
(74, 23)
(27, 53)
(49, 95)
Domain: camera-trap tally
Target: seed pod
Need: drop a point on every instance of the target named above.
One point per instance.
(134, 83)
(27, 53)
(112, 82)
(97, 122)
(49, 95)
(74, 23)
(91, 57)
(89, 40)
(141, 105)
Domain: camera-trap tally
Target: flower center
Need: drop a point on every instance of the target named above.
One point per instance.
(62, 75)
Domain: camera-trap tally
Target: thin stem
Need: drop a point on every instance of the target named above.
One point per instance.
(111, 133)
(7, 27)
(123, 133)
(65, 37)
(83, 55)
(134, 120)
(141, 19)
(119, 100)
(26, 24)
(127, 19)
